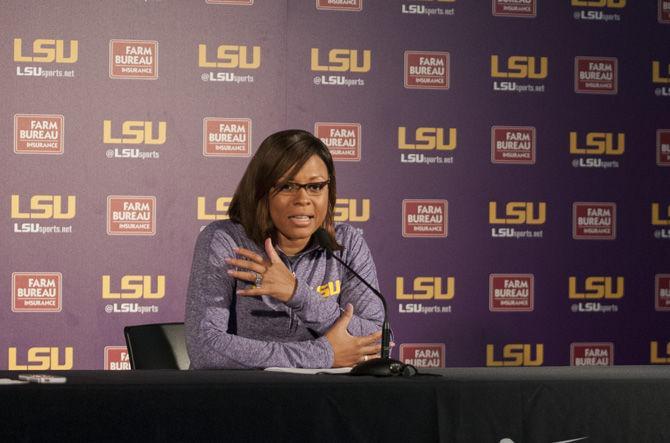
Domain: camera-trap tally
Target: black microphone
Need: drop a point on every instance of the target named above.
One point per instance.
(383, 366)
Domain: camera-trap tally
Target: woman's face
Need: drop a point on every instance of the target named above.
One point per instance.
(297, 214)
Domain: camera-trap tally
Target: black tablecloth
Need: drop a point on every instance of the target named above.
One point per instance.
(461, 405)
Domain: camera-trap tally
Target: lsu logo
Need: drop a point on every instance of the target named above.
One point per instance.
(615, 4)
(658, 355)
(516, 354)
(427, 139)
(135, 132)
(329, 289)
(47, 51)
(518, 213)
(116, 358)
(520, 66)
(220, 211)
(657, 76)
(352, 210)
(426, 288)
(595, 288)
(230, 57)
(45, 207)
(656, 218)
(133, 287)
(598, 143)
(41, 359)
(342, 60)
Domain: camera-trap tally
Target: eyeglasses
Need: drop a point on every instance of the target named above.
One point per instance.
(315, 188)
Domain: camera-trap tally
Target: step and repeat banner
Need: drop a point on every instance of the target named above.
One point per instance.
(506, 160)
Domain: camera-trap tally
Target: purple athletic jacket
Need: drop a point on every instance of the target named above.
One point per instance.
(228, 331)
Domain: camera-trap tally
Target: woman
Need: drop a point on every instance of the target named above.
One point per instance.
(262, 291)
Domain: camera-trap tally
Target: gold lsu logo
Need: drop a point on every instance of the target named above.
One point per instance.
(596, 287)
(656, 217)
(520, 66)
(426, 288)
(597, 143)
(657, 76)
(42, 358)
(599, 3)
(221, 206)
(45, 206)
(518, 213)
(133, 287)
(655, 357)
(342, 60)
(516, 354)
(47, 51)
(231, 56)
(329, 289)
(135, 132)
(427, 139)
(352, 210)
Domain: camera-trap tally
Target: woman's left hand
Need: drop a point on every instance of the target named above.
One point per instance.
(275, 278)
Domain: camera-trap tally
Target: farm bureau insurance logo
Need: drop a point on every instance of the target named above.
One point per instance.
(40, 358)
(132, 287)
(590, 293)
(38, 134)
(342, 139)
(45, 51)
(660, 75)
(506, 71)
(513, 145)
(515, 354)
(433, 8)
(133, 59)
(591, 354)
(664, 11)
(116, 358)
(514, 8)
(37, 291)
(663, 147)
(596, 75)
(594, 221)
(228, 63)
(424, 218)
(660, 220)
(427, 140)
(133, 132)
(662, 298)
(423, 355)
(596, 10)
(515, 214)
(131, 215)
(511, 292)
(340, 5)
(592, 148)
(427, 70)
(345, 65)
(226, 137)
(43, 207)
(425, 289)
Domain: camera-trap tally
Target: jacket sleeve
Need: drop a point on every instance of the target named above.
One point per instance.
(319, 314)
(208, 304)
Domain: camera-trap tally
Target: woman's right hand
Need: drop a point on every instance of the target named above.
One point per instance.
(349, 350)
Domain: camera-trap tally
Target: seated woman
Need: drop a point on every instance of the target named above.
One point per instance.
(262, 292)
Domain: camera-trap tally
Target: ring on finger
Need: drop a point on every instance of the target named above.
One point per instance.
(259, 280)
(365, 358)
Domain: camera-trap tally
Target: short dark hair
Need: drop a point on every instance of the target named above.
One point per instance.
(280, 155)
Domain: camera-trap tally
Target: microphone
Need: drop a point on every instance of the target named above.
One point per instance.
(383, 366)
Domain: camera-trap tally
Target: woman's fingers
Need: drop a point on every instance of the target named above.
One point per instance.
(246, 264)
(249, 254)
